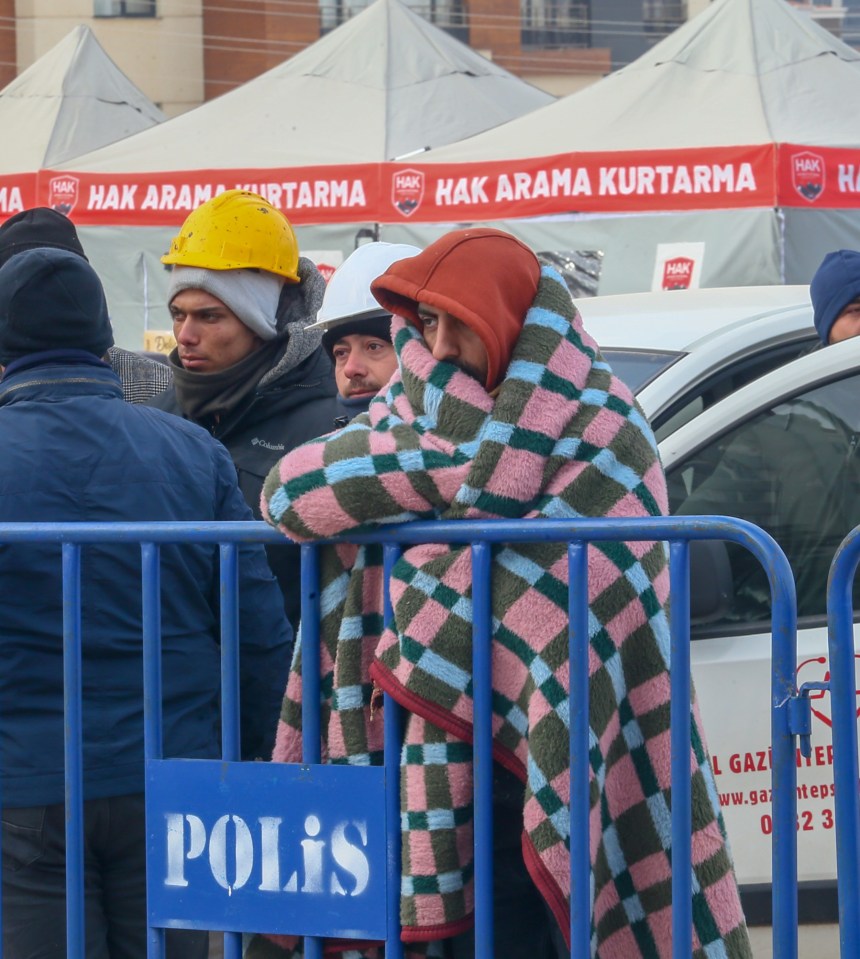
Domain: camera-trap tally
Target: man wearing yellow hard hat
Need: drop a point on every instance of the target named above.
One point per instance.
(245, 365)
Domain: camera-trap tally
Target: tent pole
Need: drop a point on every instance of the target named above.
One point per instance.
(780, 222)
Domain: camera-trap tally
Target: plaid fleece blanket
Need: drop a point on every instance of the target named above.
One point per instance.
(561, 437)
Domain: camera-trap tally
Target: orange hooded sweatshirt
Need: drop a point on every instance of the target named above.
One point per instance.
(485, 278)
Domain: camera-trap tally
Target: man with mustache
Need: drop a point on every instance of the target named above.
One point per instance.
(503, 408)
(356, 330)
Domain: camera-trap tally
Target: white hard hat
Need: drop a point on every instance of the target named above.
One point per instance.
(347, 297)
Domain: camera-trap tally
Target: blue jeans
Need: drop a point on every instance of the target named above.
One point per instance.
(34, 884)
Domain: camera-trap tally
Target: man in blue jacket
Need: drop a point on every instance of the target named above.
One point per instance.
(73, 450)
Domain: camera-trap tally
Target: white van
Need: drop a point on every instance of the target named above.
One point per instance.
(768, 432)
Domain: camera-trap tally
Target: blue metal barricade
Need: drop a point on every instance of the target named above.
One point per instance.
(843, 694)
(229, 841)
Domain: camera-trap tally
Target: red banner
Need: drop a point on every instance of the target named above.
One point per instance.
(640, 182)
(624, 182)
(17, 193)
(427, 193)
(815, 177)
(343, 194)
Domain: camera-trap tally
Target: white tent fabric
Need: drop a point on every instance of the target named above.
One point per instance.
(742, 72)
(383, 84)
(72, 100)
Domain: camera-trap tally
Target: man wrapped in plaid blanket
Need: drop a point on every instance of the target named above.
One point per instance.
(503, 407)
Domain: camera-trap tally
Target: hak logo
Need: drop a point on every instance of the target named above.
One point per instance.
(807, 175)
(279, 860)
(63, 193)
(678, 273)
(407, 191)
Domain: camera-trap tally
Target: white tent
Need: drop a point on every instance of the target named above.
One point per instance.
(727, 155)
(742, 72)
(732, 144)
(381, 85)
(72, 100)
(310, 134)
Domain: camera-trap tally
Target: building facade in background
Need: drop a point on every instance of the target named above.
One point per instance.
(184, 52)
(158, 44)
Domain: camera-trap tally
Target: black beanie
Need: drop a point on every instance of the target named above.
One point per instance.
(39, 227)
(378, 325)
(51, 300)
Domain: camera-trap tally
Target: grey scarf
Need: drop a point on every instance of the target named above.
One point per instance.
(205, 397)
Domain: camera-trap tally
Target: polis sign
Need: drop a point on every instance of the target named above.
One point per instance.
(266, 847)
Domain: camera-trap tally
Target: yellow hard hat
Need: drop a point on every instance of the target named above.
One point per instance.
(237, 230)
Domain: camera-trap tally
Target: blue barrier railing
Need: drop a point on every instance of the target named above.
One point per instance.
(843, 693)
(228, 902)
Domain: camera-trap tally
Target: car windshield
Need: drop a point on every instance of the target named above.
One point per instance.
(637, 368)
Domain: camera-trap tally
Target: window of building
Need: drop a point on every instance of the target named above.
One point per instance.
(661, 17)
(448, 15)
(124, 8)
(555, 23)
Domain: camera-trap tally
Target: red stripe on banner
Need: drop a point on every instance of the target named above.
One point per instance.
(342, 194)
(629, 182)
(826, 178)
(17, 193)
(624, 182)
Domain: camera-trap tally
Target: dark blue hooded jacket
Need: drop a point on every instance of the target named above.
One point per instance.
(73, 450)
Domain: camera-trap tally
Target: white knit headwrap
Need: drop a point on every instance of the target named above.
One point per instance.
(251, 294)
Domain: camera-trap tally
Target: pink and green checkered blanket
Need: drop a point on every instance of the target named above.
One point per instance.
(561, 437)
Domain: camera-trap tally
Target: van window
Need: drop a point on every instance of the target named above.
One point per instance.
(637, 368)
(794, 470)
(731, 377)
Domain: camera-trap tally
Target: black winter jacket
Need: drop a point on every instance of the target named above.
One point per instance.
(294, 402)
